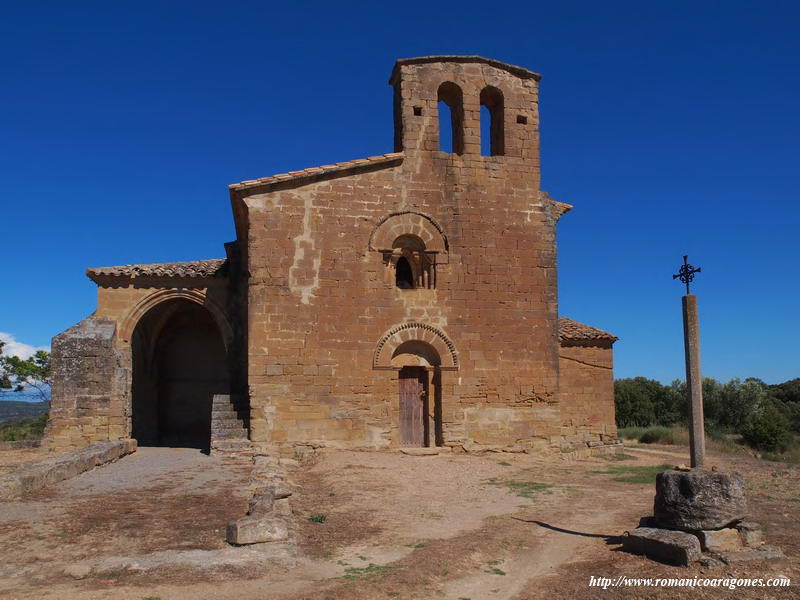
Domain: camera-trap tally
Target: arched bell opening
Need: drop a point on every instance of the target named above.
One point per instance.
(179, 364)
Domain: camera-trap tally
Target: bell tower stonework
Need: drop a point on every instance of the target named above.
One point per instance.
(409, 298)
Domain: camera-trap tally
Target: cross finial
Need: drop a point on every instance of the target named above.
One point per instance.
(686, 273)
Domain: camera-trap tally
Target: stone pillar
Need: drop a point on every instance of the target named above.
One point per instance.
(694, 382)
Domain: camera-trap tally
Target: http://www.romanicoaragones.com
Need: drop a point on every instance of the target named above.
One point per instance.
(730, 583)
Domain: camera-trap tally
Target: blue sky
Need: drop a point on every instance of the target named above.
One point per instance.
(672, 127)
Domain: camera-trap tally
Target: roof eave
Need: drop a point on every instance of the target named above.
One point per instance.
(521, 72)
(294, 179)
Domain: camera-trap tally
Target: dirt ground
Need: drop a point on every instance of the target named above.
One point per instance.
(455, 527)
(11, 460)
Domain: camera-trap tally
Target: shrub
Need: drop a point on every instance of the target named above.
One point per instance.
(658, 434)
(768, 430)
(630, 433)
(27, 429)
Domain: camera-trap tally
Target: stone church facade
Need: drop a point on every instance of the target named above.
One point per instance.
(408, 299)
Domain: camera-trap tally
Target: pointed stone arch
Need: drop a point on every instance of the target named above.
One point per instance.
(440, 352)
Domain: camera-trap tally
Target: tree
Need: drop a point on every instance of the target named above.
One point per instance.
(634, 399)
(26, 374)
(788, 391)
(5, 381)
(740, 401)
(768, 429)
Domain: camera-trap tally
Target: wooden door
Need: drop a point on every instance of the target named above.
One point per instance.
(413, 406)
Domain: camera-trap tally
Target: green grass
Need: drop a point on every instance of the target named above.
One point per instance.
(791, 456)
(631, 433)
(632, 474)
(317, 518)
(718, 441)
(112, 575)
(26, 429)
(619, 456)
(657, 434)
(526, 489)
(370, 572)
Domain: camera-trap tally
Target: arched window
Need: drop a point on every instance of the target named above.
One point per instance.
(451, 108)
(404, 276)
(414, 267)
(492, 136)
(417, 239)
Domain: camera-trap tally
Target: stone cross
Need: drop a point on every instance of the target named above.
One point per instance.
(694, 382)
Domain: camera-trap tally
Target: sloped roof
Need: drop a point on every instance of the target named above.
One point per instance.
(335, 168)
(572, 330)
(215, 267)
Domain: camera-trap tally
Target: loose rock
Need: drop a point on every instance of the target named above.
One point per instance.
(720, 540)
(78, 571)
(751, 534)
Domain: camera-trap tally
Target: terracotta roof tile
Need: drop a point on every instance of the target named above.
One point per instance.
(572, 330)
(321, 170)
(214, 267)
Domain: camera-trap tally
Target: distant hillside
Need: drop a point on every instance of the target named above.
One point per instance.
(14, 410)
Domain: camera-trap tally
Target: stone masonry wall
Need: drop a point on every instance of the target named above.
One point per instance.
(587, 394)
(92, 361)
(320, 299)
(85, 367)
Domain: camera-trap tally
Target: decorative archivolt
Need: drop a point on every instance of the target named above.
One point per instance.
(441, 351)
(408, 223)
(133, 317)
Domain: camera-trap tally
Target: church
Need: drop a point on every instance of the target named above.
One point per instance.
(406, 299)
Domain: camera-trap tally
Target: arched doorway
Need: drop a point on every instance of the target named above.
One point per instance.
(179, 363)
(419, 394)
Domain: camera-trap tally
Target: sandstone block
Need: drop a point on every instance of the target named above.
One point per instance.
(257, 529)
(698, 499)
(47, 472)
(77, 571)
(752, 554)
(282, 507)
(261, 503)
(420, 451)
(676, 547)
(750, 533)
(720, 540)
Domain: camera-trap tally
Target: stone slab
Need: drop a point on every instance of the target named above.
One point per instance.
(50, 471)
(675, 547)
(257, 529)
(420, 451)
(751, 555)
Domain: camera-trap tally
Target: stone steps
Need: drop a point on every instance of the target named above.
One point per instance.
(229, 421)
(242, 447)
